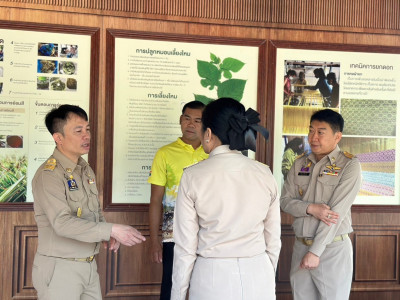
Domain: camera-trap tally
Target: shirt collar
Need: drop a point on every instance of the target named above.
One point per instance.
(223, 149)
(66, 163)
(188, 146)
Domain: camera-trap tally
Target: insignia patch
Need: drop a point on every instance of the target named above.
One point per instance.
(50, 164)
(348, 155)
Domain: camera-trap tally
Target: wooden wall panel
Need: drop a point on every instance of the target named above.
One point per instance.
(25, 244)
(334, 15)
(129, 274)
(381, 253)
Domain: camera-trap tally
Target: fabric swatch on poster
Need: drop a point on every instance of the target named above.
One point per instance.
(378, 172)
(369, 117)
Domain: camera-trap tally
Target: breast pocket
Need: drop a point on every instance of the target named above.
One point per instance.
(75, 199)
(301, 184)
(93, 198)
(326, 187)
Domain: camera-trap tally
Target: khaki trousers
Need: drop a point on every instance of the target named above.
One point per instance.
(331, 280)
(233, 278)
(60, 279)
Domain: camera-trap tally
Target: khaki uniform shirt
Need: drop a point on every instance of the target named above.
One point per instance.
(70, 222)
(322, 183)
(227, 207)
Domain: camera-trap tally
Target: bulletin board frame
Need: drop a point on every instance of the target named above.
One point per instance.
(274, 88)
(111, 36)
(94, 34)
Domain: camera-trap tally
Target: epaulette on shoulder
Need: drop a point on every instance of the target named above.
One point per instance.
(301, 155)
(50, 164)
(348, 155)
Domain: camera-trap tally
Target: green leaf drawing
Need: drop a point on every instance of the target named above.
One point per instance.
(232, 64)
(214, 59)
(208, 71)
(211, 74)
(232, 88)
(203, 99)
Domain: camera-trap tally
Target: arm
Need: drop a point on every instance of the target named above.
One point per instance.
(155, 212)
(186, 228)
(289, 203)
(341, 201)
(272, 229)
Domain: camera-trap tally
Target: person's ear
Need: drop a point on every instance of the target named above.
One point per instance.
(57, 138)
(180, 119)
(338, 136)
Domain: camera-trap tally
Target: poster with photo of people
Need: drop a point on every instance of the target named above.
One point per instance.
(364, 89)
(38, 72)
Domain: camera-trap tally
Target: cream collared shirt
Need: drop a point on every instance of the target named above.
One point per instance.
(227, 207)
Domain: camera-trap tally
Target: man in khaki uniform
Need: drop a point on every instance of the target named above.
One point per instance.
(68, 214)
(318, 193)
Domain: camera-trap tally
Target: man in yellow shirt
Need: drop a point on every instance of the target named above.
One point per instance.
(166, 173)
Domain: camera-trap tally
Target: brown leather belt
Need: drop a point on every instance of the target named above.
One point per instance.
(309, 241)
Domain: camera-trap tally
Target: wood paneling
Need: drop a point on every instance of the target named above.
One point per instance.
(335, 14)
(128, 274)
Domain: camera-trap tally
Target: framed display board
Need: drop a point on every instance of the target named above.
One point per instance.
(150, 76)
(362, 85)
(42, 66)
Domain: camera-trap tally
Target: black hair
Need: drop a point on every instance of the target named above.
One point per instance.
(319, 73)
(291, 72)
(216, 116)
(193, 105)
(334, 119)
(295, 145)
(57, 117)
(331, 76)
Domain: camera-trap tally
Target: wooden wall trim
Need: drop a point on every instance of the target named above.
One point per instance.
(335, 15)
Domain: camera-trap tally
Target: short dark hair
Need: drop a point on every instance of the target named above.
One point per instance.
(193, 105)
(216, 116)
(291, 72)
(334, 119)
(331, 76)
(319, 73)
(57, 117)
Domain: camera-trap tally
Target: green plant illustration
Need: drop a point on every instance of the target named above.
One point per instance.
(13, 179)
(213, 71)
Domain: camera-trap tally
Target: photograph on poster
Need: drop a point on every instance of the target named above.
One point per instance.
(364, 93)
(13, 177)
(42, 83)
(48, 49)
(47, 66)
(69, 51)
(68, 68)
(1, 52)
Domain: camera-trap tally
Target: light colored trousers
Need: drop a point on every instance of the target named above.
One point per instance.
(60, 279)
(331, 280)
(233, 278)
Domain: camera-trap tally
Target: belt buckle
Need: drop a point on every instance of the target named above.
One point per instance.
(90, 258)
(307, 242)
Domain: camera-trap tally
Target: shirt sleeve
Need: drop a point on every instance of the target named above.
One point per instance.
(341, 201)
(49, 194)
(289, 203)
(158, 170)
(272, 229)
(186, 227)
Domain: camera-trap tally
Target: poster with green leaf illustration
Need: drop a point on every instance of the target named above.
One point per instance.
(153, 80)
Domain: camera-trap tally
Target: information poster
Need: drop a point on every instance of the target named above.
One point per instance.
(38, 71)
(153, 81)
(365, 89)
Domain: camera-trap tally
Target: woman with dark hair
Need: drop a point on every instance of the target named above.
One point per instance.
(227, 217)
(291, 151)
(287, 86)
